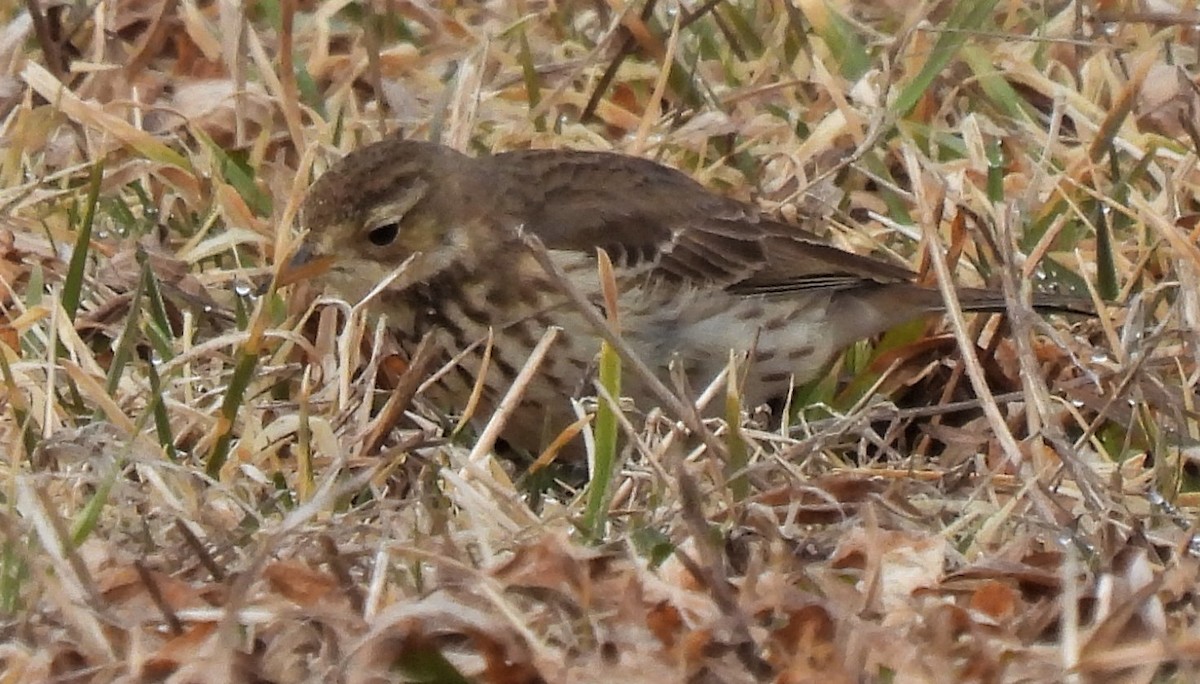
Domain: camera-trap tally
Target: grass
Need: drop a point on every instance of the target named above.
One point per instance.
(208, 476)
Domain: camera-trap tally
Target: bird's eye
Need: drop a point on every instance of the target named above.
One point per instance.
(384, 235)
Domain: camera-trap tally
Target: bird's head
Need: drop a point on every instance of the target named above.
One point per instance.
(392, 202)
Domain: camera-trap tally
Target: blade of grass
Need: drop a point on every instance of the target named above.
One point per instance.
(73, 283)
(1107, 281)
(13, 574)
(843, 42)
(85, 523)
(162, 420)
(739, 457)
(533, 91)
(129, 335)
(610, 72)
(964, 18)
(158, 328)
(234, 396)
(993, 83)
(233, 168)
(746, 29)
(243, 372)
(607, 423)
(91, 116)
(20, 412)
(422, 663)
(995, 171)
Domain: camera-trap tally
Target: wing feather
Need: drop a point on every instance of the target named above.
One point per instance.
(647, 214)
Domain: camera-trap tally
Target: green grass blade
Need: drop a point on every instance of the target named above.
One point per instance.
(162, 420)
(158, 328)
(13, 574)
(607, 421)
(238, 384)
(998, 90)
(964, 18)
(73, 284)
(847, 48)
(533, 91)
(606, 428)
(20, 412)
(739, 457)
(129, 336)
(423, 663)
(85, 523)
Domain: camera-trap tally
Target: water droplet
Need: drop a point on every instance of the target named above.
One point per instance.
(1077, 403)
(242, 289)
(1099, 357)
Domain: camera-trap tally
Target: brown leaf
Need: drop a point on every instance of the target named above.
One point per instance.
(177, 651)
(665, 622)
(805, 650)
(995, 599)
(553, 562)
(299, 583)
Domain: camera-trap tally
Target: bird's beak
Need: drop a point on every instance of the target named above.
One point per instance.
(306, 264)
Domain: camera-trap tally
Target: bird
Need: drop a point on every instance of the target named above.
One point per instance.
(699, 275)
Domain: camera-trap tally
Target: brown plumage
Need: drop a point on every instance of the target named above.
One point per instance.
(699, 274)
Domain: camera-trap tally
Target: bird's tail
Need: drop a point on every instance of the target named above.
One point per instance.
(870, 311)
(981, 299)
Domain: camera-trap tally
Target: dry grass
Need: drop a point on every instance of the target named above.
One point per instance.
(209, 481)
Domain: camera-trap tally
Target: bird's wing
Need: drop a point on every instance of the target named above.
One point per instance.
(643, 213)
(798, 260)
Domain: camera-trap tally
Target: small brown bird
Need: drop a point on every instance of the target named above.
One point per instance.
(699, 274)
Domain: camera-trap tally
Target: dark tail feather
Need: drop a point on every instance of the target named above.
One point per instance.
(869, 311)
(975, 299)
